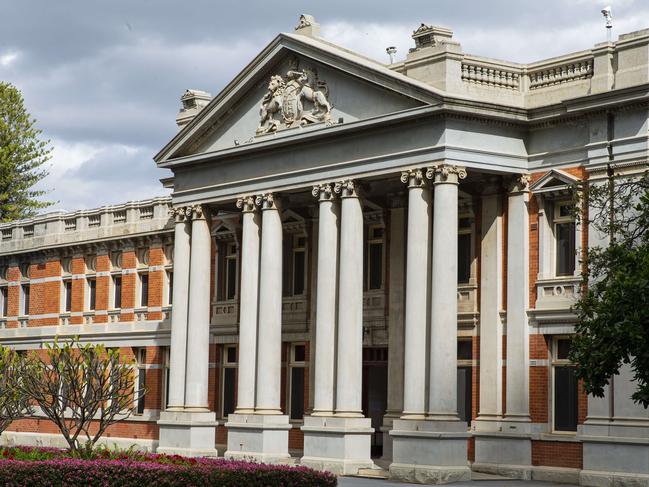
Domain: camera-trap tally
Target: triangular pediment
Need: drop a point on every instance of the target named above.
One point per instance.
(554, 181)
(325, 84)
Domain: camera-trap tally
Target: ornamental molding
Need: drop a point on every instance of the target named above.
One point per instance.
(180, 213)
(197, 212)
(519, 184)
(347, 188)
(296, 99)
(267, 201)
(247, 204)
(446, 173)
(414, 178)
(324, 192)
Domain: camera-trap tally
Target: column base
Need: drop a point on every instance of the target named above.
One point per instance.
(386, 427)
(336, 444)
(503, 447)
(429, 451)
(191, 434)
(259, 437)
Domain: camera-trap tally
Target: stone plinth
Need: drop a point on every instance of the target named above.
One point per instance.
(503, 447)
(337, 444)
(188, 433)
(258, 437)
(429, 452)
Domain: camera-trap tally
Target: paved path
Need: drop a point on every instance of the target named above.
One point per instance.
(359, 482)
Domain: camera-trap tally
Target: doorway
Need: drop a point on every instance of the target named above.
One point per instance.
(375, 392)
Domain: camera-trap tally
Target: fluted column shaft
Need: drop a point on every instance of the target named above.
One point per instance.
(178, 348)
(325, 333)
(417, 252)
(517, 375)
(198, 338)
(349, 376)
(269, 345)
(442, 402)
(249, 293)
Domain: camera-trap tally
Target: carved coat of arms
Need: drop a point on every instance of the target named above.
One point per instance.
(299, 98)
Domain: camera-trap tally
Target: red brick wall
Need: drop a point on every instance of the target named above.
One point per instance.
(44, 296)
(539, 380)
(557, 454)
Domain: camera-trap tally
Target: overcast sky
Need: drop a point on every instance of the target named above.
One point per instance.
(103, 79)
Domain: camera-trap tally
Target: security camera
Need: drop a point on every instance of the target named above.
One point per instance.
(606, 11)
(608, 16)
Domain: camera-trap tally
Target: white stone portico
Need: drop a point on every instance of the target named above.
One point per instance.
(433, 156)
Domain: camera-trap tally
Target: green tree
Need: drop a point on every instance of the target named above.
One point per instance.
(613, 307)
(13, 404)
(22, 157)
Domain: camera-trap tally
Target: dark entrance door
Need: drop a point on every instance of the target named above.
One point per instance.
(375, 392)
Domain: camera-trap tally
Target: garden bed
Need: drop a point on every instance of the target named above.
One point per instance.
(27, 467)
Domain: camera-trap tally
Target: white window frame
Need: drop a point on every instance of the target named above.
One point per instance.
(227, 364)
(548, 210)
(166, 360)
(231, 257)
(295, 249)
(374, 240)
(556, 362)
(140, 367)
(23, 309)
(4, 300)
(292, 364)
(64, 294)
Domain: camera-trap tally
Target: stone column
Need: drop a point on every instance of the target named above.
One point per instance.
(178, 349)
(198, 329)
(417, 259)
(349, 379)
(269, 351)
(434, 449)
(325, 332)
(443, 329)
(248, 299)
(491, 262)
(340, 443)
(517, 375)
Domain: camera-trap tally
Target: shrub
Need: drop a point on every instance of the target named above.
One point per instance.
(31, 467)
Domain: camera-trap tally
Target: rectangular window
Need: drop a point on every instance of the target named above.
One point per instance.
(117, 291)
(170, 287)
(4, 298)
(297, 383)
(565, 388)
(464, 390)
(564, 236)
(463, 258)
(375, 258)
(92, 294)
(144, 290)
(67, 296)
(165, 377)
(231, 272)
(24, 302)
(141, 379)
(299, 265)
(229, 380)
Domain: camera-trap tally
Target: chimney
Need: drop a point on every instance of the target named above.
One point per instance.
(193, 102)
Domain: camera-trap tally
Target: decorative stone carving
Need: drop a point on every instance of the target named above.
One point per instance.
(520, 183)
(414, 178)
(347, 188)
(445, 173)
(283, 106)
(266, 201)
(325, 192)
(246, 204)
(197, 212)
(180, 213)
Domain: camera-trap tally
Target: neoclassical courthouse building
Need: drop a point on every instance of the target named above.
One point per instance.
(359, 260)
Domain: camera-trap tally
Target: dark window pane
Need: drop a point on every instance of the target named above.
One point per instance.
(231, 265)
(464, 386)
(118, 292)
(287, 250)
(232, 355)
(5, 301)
(144, 296)
(464, 350)
(170, 280)
(229, 379)
(298, 272)
(141, 385)
(565, 399)
(565, 249)
(92, 287)
(464, 223)
(463, 258)
(563, 348)
(68, 295)
(25, 299)
(297, 393)
(376, 266)
(300, 353)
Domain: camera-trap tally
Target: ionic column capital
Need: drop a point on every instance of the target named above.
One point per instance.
(247, 204)
(267, 201)
(347, 188)
(519, 184)
(324, 192)
(198, 212)
(445, 174)
(414, 178)
(180, 213)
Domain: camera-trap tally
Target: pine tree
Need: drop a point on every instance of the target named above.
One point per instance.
(22, 157)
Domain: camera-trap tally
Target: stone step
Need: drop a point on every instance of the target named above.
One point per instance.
(373, 473)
